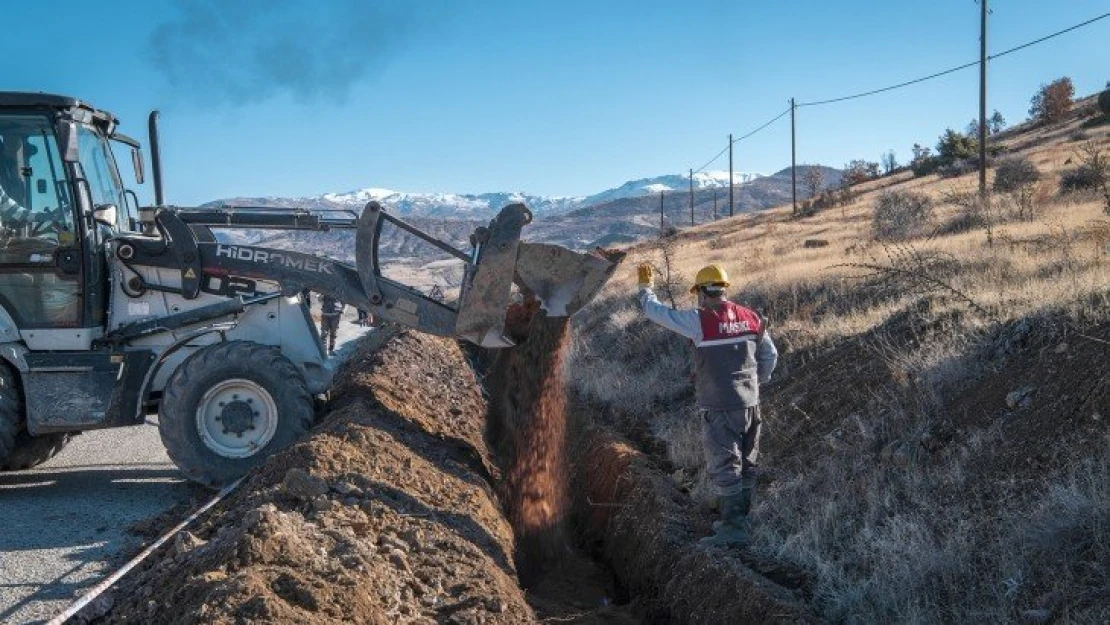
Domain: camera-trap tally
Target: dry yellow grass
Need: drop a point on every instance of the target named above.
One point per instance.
(1011, 276)
(883, 545)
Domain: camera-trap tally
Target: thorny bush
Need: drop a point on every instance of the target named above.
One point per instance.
(1014, 174)
(901, 215)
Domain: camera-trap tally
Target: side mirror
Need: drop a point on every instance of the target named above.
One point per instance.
(106, 214)
(137, 161)
(68, 132)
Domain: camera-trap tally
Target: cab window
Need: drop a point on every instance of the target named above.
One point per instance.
(100, 172)
(36, 219)
(34, 197)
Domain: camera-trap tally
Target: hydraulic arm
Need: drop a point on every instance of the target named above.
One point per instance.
(181, 239)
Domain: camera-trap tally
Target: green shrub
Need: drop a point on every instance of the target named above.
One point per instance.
(901, 215)
(1104, 102)
(923, 162)
(954, 146)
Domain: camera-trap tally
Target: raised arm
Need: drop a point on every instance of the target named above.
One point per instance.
(685, 322)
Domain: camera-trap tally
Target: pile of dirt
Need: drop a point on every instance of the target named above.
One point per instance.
(384, 514)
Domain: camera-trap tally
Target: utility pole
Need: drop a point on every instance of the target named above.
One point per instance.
(983, 103)
(714, 204)
(691, 197)
(730, 175)
(661, 214)
(793, 161)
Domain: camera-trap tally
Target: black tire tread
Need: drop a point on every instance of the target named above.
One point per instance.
(175, 418)
(32, 451)
(11, 411)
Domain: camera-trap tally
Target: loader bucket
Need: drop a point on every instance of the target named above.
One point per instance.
(563, 280)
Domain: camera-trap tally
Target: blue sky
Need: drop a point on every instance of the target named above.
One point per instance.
(567, 97)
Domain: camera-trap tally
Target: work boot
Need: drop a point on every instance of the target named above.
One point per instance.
(734, 526)
(744, 499)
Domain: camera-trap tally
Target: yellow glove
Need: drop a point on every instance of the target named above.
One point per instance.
(646, 276)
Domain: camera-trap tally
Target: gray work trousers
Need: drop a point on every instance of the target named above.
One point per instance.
(329, 327)
(731, 440)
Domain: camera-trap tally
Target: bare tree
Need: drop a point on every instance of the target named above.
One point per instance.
(889, 161)
(996, 123)
(813, 179)
(670, 279)
(859, 170)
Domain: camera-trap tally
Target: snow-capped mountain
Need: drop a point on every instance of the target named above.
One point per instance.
(486, 205)
(449, 205)
(668, 183)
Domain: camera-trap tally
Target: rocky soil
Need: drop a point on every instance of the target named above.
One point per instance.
(384, 514)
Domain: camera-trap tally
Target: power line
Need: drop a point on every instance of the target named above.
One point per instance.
(777, 117)
(711, 161)
(1047, 37)
(739, 139)
(890, 88)
(955, 69)
(902, 84)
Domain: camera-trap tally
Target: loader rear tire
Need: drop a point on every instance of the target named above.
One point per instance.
(31, 451)
(228, 407)
(11, 412)
(18, 449)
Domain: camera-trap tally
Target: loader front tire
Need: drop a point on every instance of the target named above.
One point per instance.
(228, 407)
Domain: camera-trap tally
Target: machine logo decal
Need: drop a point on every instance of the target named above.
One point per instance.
(271, 257)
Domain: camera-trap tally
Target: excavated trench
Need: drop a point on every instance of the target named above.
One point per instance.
(572, 486)
(417, 500)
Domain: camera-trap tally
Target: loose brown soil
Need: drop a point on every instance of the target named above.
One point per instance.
(384, 514)
(387, 511)
(527, 427)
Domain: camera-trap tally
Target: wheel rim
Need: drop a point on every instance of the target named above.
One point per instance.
(236, 418)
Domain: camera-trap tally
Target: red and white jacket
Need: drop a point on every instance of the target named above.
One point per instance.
(734, 353)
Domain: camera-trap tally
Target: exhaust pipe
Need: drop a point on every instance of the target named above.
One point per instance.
(155, 159)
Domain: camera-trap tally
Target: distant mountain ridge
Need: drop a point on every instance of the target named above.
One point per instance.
(486, 205)
(623, 215)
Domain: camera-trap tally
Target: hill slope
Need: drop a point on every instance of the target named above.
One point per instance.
(936, 446)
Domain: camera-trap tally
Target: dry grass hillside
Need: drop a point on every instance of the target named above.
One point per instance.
(936, 445)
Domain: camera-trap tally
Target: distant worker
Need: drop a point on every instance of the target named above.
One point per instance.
(306, 296)
(733, 356)
(364, 318)
(330, 310)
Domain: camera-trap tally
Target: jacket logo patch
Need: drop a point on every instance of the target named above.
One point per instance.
(733, 327)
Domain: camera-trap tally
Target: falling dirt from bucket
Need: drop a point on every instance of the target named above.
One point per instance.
(528, 430)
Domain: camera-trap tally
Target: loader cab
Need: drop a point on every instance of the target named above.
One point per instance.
(61, 198)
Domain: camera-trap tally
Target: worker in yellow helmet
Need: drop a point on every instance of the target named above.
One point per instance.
(734, 354)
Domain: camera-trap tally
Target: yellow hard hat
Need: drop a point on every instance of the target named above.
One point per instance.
(710, 275)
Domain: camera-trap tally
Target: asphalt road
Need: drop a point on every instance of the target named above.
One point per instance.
(63, 524)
